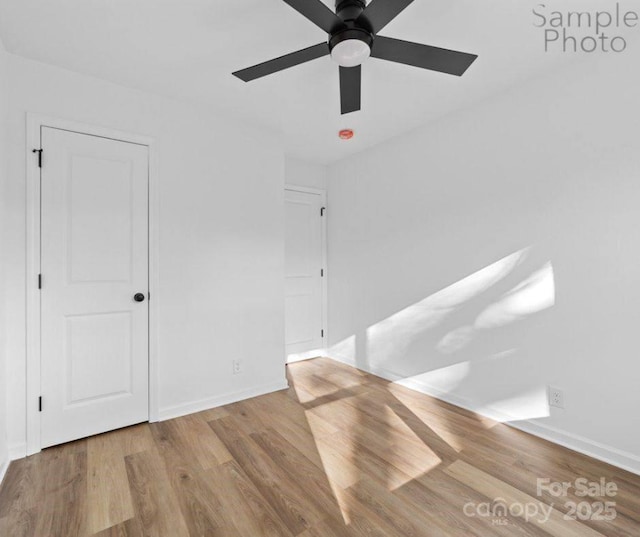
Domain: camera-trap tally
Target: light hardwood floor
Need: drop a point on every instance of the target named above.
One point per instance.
(341, 453)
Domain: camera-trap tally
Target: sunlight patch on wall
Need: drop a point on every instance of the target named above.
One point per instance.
(390, 338)
(444, 379)
(503, 354)
(534, 294)
(408, 346)
(527, 405)
(345, 350)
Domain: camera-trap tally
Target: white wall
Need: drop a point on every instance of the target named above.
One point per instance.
(302, 173)
(548, 174)
(221, 238)
(4, 456)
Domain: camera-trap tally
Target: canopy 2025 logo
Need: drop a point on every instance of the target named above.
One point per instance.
(585, 31)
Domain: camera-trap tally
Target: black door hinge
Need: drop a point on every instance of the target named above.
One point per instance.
(322, 210)
(321, 333)
(39, 281)
(39, 151)
(40, 404)
(322, 273)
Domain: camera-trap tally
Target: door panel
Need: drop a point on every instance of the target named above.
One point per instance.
(100, 219)
(106, 337)
(94, 258)
(303, 262)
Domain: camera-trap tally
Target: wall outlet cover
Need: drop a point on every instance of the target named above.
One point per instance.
(556, 397)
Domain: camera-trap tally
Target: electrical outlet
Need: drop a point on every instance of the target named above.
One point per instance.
(556, 397)
(237, 367)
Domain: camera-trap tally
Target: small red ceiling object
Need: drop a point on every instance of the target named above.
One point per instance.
(345, 134)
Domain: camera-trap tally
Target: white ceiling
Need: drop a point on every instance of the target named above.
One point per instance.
(188, 49)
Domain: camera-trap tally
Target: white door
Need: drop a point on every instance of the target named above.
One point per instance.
(303, 272)
(94, 259)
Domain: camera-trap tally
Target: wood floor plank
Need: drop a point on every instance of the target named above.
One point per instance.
(293, 503)
(292, 411)
(19, 524)
(155, 503)
(334, 528)
(301, 469)
(63, 511)
(108, 495)
(361, 520)
(28, 480)
(337, 462)
(248, 510)
(19, 489)
(129, 528)
(194, 436)
(396, 514)
(199, 502)
(130, 440)
(213, 414)
(323, 529)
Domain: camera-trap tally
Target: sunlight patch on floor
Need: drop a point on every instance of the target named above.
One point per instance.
(438, 424)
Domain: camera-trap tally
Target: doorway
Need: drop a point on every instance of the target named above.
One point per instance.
(305, 273)
(93, 289)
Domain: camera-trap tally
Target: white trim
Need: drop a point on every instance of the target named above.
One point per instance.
(602, 452)
(85, 128)
(616, 457)
(33, 302)
(3, 470)
(34, 124)
(154, 284)
(307, 189)
(307, 355)
(17, 451)
(220, 400)
(325, 265)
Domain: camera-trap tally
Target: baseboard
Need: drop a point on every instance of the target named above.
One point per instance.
(602, 452)
(300, 356)
(212, 402)
(3, 470)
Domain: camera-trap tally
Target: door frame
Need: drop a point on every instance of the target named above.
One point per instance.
(323, 226)
(35, 122)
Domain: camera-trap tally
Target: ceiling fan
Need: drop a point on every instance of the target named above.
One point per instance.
(353, 37)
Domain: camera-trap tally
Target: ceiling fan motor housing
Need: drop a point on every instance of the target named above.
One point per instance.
(349, 11)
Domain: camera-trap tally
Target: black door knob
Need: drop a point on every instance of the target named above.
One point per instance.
(138, 297)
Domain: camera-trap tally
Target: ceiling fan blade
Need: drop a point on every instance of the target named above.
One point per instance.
(424, 56)
(350, 85)
(379, 13)
(318, 13)
(283, 62)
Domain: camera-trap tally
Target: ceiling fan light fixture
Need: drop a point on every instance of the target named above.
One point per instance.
(350, 52)
(350, 47)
